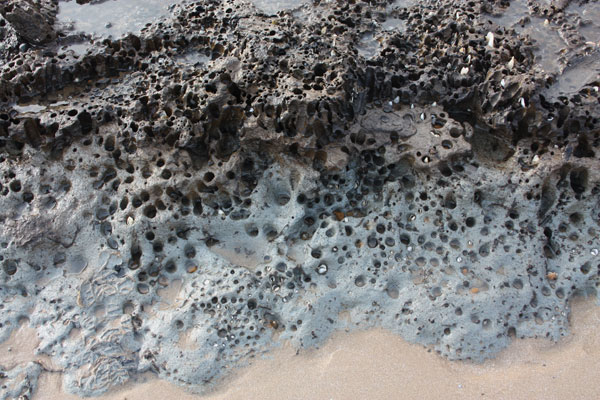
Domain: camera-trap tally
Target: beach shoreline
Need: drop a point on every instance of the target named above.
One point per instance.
(379, 364)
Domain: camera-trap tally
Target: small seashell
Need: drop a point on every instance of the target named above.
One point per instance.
(191, 268)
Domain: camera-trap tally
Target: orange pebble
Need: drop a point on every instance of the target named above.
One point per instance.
(339, 215)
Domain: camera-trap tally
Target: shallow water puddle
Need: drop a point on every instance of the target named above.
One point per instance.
(547, 40)
(370, 43)
(79, 49)
(588, 24)
(273, 7)
(402, 4)
(393, 24)
(368, 46)
(513, 14)
(114, 17)
(30, 108)
(193, 58)
(576, 77)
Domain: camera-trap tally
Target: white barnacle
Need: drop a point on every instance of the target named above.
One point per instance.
(490, 39)
(322, 270)
(522, 102)
(511, 63)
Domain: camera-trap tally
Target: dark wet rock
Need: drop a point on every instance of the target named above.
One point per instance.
(32, 21)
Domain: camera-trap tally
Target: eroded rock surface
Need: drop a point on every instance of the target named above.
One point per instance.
(180, 199)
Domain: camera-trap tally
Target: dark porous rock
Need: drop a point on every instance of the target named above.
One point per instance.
(32, 20)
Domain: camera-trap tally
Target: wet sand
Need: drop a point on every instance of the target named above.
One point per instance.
(377, 364)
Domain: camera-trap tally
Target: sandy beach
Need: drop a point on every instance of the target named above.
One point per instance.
(377, 364)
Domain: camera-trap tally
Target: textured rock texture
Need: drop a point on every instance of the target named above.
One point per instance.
(185, 197)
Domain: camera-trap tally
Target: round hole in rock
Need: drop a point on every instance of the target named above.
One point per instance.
(189, 251)
(170, 266)
(10, 267)
(586, 268)
(283, 199)
(209, 176)
(15, 186)
(517, 284)
(143, 288)
(360, 281)
(150, 211)
(27, 197)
